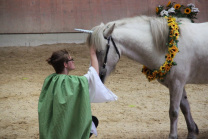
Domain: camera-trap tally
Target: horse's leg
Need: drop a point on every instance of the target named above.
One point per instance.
(185, 108)
(176, 91)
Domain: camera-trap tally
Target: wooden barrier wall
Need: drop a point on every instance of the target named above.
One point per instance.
(53, 16)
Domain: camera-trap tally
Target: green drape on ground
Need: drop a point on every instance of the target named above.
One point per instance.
(64, 108)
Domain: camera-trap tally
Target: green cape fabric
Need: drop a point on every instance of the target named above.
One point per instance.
(64, 109)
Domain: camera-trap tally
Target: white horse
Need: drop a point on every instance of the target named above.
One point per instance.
(144, 39)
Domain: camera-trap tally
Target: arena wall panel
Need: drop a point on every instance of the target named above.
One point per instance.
(59, 16)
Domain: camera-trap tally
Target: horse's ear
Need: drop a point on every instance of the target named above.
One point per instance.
(108, 30)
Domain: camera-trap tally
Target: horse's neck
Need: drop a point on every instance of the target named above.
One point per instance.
(148, 57)
(139, 46)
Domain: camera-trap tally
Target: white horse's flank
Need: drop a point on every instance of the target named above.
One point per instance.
(144, 39)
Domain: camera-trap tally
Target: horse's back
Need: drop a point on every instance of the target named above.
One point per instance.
(193, 55)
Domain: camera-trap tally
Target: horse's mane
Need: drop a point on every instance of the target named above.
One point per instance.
(158, 25)
(96, 39)
(160, 31)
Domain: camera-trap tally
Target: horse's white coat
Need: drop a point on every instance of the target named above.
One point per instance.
(144, 39)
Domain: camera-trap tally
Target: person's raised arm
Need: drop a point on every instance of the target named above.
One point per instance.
(94, 61)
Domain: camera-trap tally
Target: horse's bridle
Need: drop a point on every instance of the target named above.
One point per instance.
(103, 68)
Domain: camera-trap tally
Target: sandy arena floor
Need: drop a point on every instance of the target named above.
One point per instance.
(141, 111)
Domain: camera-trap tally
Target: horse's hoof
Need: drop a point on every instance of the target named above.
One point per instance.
(173, 137)
(191, 136)
(196, 130)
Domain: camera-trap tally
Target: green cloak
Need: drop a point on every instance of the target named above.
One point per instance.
(64, 109)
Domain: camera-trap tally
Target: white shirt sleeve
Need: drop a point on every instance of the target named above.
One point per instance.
(93, 129)
(97, 90)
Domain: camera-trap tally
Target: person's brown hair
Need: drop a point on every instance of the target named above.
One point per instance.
(57, 60)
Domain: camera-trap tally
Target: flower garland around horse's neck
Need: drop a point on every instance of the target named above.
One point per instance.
(172, 51)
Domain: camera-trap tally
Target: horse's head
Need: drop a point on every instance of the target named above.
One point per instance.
(107, 52)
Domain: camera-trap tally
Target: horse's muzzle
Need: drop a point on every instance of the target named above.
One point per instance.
(103, 72)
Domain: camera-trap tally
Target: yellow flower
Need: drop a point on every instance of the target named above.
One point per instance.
(168, 3)
(144, 70)
(173, 25)
(154, 73)
(169, 58)
(150, 77)
(177, 6)
(162, 68)
(176, 27)
(187, 11)
(176, 33)
(157, 10)
(172, 55)
(171, 41)
(167, 67)
(161, 74)
(171, 19)
(173, 50)
(166, 17)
